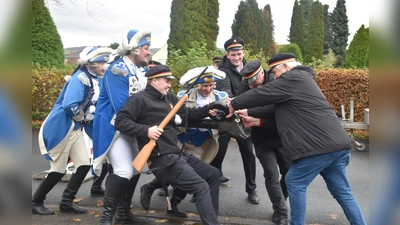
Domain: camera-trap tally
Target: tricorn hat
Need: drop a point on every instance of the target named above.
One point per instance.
(91, 55)
(133, 39)
(210, 75)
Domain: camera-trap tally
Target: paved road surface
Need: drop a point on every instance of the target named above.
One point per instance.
(322, 209)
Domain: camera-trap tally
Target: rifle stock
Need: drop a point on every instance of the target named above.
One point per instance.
(144, 154)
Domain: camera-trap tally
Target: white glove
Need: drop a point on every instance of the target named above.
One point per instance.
(88, 116)
(178, 119)
(92, 109)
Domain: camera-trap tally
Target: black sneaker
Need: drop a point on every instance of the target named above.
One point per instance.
(224, 179)
(176, 212)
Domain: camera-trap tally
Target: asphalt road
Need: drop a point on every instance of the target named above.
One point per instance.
(322, 209)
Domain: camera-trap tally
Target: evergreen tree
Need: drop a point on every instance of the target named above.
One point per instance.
(358, 49)
(340, 32)
(327, 30)
(191, 21)
(366, 59)
(249, 25)
(269, 47)
(212, 25)
(47, 47)
(315, 39)
(306, 4)
(307, 9)
(296, 34)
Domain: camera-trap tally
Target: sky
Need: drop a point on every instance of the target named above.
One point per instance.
(101, 22)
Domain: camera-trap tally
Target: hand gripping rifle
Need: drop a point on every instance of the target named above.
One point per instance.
(144, 154)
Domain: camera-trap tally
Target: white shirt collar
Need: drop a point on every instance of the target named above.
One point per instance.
(202, 101)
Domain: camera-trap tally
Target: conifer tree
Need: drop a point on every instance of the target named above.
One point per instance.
(315, 39)
(358, 49)
(306, 4)
(366, 59)
(296, 34)
(212, 24)
(269, 47)
(327, 30)
(249, 25)
(47, 47)
(340, 32)
(192, 21)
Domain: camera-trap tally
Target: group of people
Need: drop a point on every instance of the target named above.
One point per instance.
(295, 133)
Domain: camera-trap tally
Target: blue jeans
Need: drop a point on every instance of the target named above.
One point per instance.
(332, 167)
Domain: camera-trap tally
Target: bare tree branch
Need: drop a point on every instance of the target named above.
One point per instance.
(98, 5)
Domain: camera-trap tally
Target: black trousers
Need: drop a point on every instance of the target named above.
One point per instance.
(193, 176)
(271, 159)
(248, 158)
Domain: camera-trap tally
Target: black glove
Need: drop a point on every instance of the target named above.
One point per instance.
(223, 110)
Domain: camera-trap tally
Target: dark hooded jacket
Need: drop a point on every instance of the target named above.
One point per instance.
(232, 82)
(306, 123)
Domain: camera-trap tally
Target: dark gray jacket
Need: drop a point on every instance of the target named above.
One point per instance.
(306, 123)
(232, 82)
(267, 133)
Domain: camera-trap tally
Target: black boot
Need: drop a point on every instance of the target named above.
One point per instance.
(75, 181)
(124, 214)
(49, 181)
(96, 189)
(177, 197)
(115, 188)
(146, 191)
(161, 192)
(176, 212)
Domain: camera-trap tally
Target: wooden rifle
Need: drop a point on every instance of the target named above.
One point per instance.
(144, 154)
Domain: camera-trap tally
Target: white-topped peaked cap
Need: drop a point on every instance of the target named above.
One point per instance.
(133, 39)
(210, 75)
(92, 54)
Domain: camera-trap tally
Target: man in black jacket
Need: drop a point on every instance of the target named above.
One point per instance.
(231, 64)
(267, 144)
(139, 118)
(312, 136)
